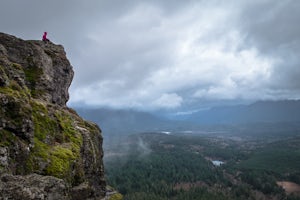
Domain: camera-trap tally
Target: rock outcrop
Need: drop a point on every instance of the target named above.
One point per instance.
(46, 150)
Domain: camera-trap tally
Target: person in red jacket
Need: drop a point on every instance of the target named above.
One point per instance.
(45, 39)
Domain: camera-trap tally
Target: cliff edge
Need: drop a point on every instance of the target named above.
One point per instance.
(46, 150)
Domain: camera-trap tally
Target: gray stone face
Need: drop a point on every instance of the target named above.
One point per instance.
(47, 69)
(46, 150)
(3, 159)
(33, 186)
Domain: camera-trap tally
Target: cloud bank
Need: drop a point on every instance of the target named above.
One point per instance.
(169, 55)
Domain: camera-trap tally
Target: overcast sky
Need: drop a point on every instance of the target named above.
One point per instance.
(171, 55)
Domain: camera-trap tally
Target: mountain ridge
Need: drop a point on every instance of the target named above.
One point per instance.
(128, 121)
(260, 111)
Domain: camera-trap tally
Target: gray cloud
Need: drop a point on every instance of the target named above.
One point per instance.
(167, 54)
(272, 27)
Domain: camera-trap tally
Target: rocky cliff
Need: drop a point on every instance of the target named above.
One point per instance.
(46, 150)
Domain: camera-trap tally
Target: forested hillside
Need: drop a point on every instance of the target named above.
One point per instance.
(161, 166)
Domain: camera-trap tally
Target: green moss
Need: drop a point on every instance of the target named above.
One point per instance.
(17, 66)
(7, 138)
(14, 109)
(58, 127)
(1, 69)
(116, 196)
(39, 154)
(44, 125)
(14, 90)
(41, 149)
(12, 87)
(61, 159)
(32, 76)
(67, 126)
(57, 144)
(3, 76)
(15, 86)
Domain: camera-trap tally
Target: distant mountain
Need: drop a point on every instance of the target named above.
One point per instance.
(123, 121)
(262, 115)
(262, 111)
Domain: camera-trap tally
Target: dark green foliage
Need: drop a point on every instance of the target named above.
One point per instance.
(156, 174)
(295, 177)
(261, 180)
(278, 160)
(159, 166)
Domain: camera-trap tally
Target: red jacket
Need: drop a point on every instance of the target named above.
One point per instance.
(45, 36)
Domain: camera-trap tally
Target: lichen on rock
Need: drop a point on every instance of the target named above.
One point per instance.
(42, 140)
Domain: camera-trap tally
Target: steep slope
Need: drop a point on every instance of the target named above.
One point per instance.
(46, 150)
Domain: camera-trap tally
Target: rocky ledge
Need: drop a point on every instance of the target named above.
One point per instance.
(46, 150)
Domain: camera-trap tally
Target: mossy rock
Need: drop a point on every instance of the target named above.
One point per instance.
(3, 77)
(57, 144)
(11, 83)
(39, 132)
(7, 138)
(45, 126)
(69, 133)
(33, 74)
(61, 158)
(15, 114)
(116, 196)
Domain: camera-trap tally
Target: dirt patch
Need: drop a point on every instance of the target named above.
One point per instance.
(289, 187)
